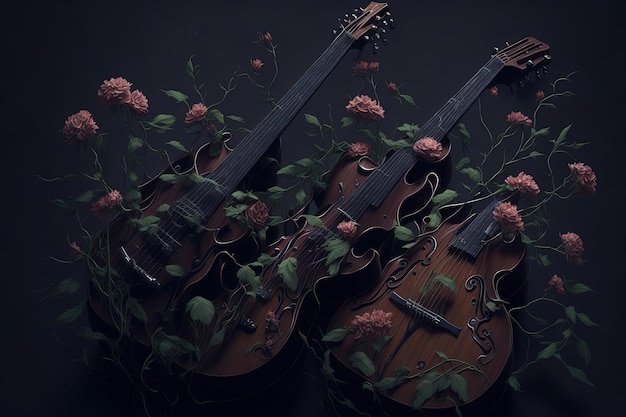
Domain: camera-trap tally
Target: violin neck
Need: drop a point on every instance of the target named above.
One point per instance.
(386, 176)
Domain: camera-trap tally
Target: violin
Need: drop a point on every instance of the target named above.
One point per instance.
(152, 261)
(258, 336)
(447, 337)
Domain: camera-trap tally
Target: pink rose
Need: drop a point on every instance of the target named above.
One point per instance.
(102, 206)
(364, 108)
(196, 113)
(584, 177)
(373, 66)
(79, 127)
(428, 148)
(540, 94)
(517, 118)
(360, 67)
(115, 91)
(138, 102)
(256, 64)
(493, 91)
(372, 325)
(557, 283)
(347, 228)
(358, 149)
(524, 183)
(573, 245)
(257, 214)
(393, 87)
(506, 215)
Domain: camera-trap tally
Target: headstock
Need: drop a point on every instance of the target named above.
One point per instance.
(367, 23)
(527, 54)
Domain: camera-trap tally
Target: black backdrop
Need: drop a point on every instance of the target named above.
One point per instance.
(55, 57)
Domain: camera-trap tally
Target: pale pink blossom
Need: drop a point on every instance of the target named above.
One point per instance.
(347, 228)
(393, 87)
(267, 37)
(557, 283)
(493, 91)
(540, 94)
(74, 249)
(364, 108)
(372, 325)
(358, 149)
(584, 177)
(524, 183)
(115, 91)
(428, 148)
(79, 127)
(106, 203)
(373, 66)
(506, 215)
(573, 246)
(196, 113)
(138, 102)
(517, 118)
(360, 67)
(256, 64)
(257, 214)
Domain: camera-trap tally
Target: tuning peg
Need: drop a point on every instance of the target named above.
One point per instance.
(529, 63)
(495, 50)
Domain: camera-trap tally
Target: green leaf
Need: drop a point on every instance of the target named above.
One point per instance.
(462, 162)
(444, 197)
(458, 385)
(216, 115)
(169, 178)
(176, 95)
(585, 319)
(247, 274)
(408, 99)
(363, 363)
(425, 389)
(472, 173)
(67, 286)
(217, 338)
(136, 309)
(548, 351)
(439, 279)
(336, 335)
(200, 309)
(514, 383)
(570, 312)
(313, 220)
(162, 122)
(336, 248)
(434, 218)
(389, 382)
(176, 144)
(312, 120)
(70, 315)
(85, 197)
(403, 233)
(578, 374)
(235, 118)
(441, 355)
(562, 136)
(135, 143)
(264, 259)
(346, 121)
(175, 270)
(575, 287)
(287, 269)
(583, 351)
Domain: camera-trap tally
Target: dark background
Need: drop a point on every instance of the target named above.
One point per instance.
(56, 56)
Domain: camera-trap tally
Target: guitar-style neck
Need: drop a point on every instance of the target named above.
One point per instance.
(229, 174)
(378, 185)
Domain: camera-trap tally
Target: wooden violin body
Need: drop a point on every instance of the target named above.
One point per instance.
(449, 338)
